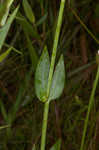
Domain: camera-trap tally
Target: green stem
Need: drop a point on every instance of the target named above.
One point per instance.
(44, 127)
(89, 109)
(46, 107)
(55, 45)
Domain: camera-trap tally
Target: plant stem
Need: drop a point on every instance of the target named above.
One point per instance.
(76, 71)
(89, 109)
(46, 107)
(55, 45)
(84, 26)
(44, 127)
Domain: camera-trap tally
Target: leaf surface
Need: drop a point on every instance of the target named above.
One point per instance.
(41, 76)
(4, 30)
(28, 11)
(58, 80)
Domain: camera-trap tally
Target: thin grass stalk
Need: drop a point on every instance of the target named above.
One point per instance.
(46, 107)
(91, 100)
(84, 26)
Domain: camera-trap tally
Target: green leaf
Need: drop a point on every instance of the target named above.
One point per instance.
(58, 80)
(41, 76)
(4, 30)
(32, 52)
(27, 26)
(28, 11)
(4, 11)
(56, 146)
(5, 54)
(3, 111)
(24, 85)
(3, 127)
(42, 19)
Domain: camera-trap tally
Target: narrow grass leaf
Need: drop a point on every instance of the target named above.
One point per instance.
(41, 76)
(58, 80)
(28, 11)
(42, 19)
(3, 111)
(56, 146)
(24, 85)
(13, 48)
(4, 11)
(27, 26)
(32, 52)
(4, 30)
(3, 14)
(5, 54)
(3, 127)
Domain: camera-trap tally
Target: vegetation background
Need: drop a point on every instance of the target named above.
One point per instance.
(27, 36)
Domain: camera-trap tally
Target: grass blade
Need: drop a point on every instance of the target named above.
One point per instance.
(4, 30)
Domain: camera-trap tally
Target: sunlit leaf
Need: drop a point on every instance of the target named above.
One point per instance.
(41, 76)
(28, 11)
(56, 146)
(4, 11)
(58, 80)
(4, 30)
(3, 127)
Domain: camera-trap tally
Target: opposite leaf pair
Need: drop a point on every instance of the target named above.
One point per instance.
(42, 75)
